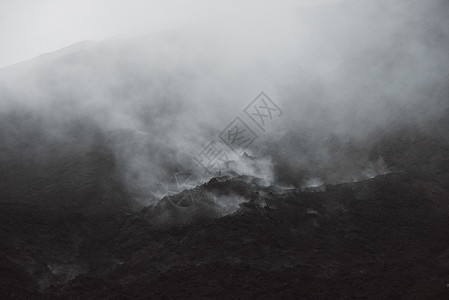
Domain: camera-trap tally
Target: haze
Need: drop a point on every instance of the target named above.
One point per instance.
(151, 100)
(29, 28)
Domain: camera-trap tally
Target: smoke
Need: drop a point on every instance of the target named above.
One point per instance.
(225, 205)
(342, 73)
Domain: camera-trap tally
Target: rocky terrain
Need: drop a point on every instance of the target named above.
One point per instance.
(380, 238)
(344, 197)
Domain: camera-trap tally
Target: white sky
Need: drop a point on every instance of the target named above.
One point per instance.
(32, 27)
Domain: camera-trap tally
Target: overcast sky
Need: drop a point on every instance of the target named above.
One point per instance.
(29, 28)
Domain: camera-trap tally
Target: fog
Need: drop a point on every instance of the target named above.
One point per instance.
(30, 28)
(141, 107)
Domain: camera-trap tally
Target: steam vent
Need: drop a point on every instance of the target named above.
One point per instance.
(212, 149)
